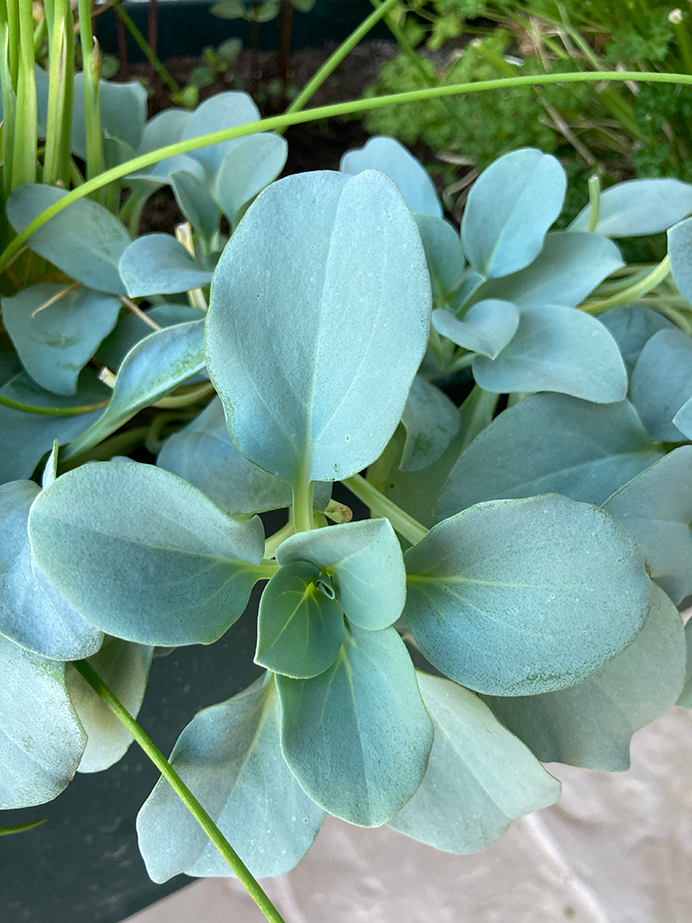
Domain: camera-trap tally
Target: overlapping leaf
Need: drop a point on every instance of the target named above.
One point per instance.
(158, 264)
(639, 207)
(252, 163)
(487, 327)
(431, 421)
(662, 382)
(444, 255)
(632, 327)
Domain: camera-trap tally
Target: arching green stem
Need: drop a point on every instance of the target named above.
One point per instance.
(630, 294)
(409, 527)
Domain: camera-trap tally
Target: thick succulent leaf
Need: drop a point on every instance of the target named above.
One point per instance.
(568, 268)
(557, 349)
(224, 110)
(509, 210)
(300, 629)
(431, 421)
(143, 555)
(130, 329)
(364, 560)
(166, 128)
(516, 597)
(158, 264)
(20, 391)
(389, 156)
(154, 367)
(683, 419)
(230, 756)
(656, 508)
(84, 240)
(662, 382)
(196, 203)
(444, 255)
(358, 736)
(639, 207)
(591, 724)
(319, 319)
(123, 113)
(32, 612)
(680, 254)
(124, 667)
(632, 327)
(551, 443)
(56, 340)
(50, 470)
(251, 164)
(685, 698)
(41, 738)
(479, 777)
(487, 327)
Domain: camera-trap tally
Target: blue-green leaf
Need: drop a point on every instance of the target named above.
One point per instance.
(41, 738)
(685, 698)
(124, 667)
(444, 256)
(315, 381)
(32, 612)
(230, 756)
(551, 443)
(196, 203)
(130, 329)
(557, 349)
(224, 110)
(431, 421)
(680, 254)
(479, 778)
(656, 508)
(516, 597)
(158, 264)
(56, 331)
(358, 736)
(365, 562)
(683, 419)
(662, 382)
(639, 207)
(389, 156)
(632, 327)
(487, 327)
(123, 113)
(509, 210)
(84, 240)
(301, 625)
(251, 164)
(591, 723)
(143, 555)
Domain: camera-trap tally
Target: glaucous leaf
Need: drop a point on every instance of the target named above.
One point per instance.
(318, 321)
(632, 327)
(123, 113)
(685, 698)
(551, 443)
(431, 421)
(301, 627)
(591, 724)
(56, 334)
(444, 256)
(683, 419)
(639, 207)
(557, 349)
(680, 254)
(144, 555)
(509, 210)
(252, 163)
(230, 756)
(223, 110)
(124, 668)
(357, 737)
(365, 562)
(41, 738)
(516, 597)
(130, 329)
(662, 382)
(158, 264)
(154, 367)
(479, 777)
(32, 612)
(165, 128)
(487, 327)
(656, 508)
(196, 203)
(84, 240)
(389, 156)
(50, 471)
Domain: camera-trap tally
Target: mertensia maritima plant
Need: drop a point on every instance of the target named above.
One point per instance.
(529, 548)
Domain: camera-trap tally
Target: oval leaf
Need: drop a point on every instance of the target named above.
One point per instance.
(639, 207)
(632, 327)
(223, 110)
(431, 421)
(444, 256)
(487, 327)
(680, 254)
(252, 163)
(662, 382)
(158, 264)
(196, 203)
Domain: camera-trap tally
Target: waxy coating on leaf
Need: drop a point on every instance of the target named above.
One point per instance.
(638, 207)
(662, 382)
(158, 264)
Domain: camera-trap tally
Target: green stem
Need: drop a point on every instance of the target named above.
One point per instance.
(26, 122)
(276, 123)
(9, 101)
(594, 185)
(632, 292)
(476, 413)
(144, 46)
(50, 411)
(273, 542)
(21, 828)
(406, 525)
(92, 94)
(57, 94)
(303, 503)
(239, 868)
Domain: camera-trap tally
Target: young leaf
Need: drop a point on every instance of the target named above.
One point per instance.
(365, 562)
(230, 756)
(300, 628)
(656, 508)
(33, 614)
(517, 597)
(662, 382)
(479, 777)
(252, 163)
(557, 349)
(632, 327)
(196, 203)
(679, 251)
(638, 207)
(158, 264)
(487, 327)
(124, 667)
(358, 736)
(85, 240)
(389, 156)
(56, 331)
(224, 110)
(551, 443)
(431, 421)
(444, 256)
(509, 210)
(41, 738)
(318, 321)
(143, 555)
(591, 724)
